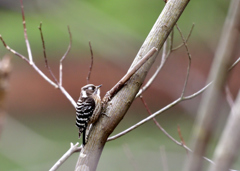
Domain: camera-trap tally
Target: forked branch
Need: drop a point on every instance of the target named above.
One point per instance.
(30, 61)
(64, 56)
(126, 77)
(182, 143)
(165, 54)
(73, 149)
(180, 99)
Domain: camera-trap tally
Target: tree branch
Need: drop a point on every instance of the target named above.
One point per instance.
(207, 114)
(45, 55)
(91, 64)
(32, 64)
(126, 77)
(150, 81)
(64, 56)
(73, 149)
(189, 61)
(170, 105)
(119, 104)
(165, 56)
(25, 35)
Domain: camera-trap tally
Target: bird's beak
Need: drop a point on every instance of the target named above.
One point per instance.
(97, 91)
(99, 86)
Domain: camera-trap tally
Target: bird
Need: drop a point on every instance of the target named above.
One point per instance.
(88, 108)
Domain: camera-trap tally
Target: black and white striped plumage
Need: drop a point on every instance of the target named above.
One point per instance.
(88, 108)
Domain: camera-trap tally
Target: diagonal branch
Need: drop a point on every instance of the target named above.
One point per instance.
(165, 56)
(126, 77)
(170, 105)
(182, 143)
(150, 81)
(122, 100)
(73, 149)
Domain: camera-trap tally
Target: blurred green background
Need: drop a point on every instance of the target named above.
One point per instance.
(39, 124)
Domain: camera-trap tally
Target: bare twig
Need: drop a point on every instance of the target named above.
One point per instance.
(164, 58)
(189, 61)
(126, 77)
(25, 35)
(170, 105)
(91, 65)
(181, 137)
(73, 148)
(31, 63)
(13, 51)
(235, 63)
(45, 55)
(182, 143)
(64, 56)
(182, 44)
(155, 121)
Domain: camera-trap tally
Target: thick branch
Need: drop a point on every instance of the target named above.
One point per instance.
(118, 106)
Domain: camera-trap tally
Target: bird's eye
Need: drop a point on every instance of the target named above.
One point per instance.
(90, 88)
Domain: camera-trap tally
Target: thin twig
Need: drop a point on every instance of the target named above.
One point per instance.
(31, 63)
(45, 55)
(181, 137)
(73, 149)
(164, 58)
(64, 56)
(126, 77)
(182, 44)
(161, 111)
(182, 143)
(235, 63)
(13, 51)
(155, 121)
(91, 65)
(189, 60)
(25, 35)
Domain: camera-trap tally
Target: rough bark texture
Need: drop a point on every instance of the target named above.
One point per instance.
(118, 106)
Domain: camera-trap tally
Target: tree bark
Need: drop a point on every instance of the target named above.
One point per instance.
(120, 103)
